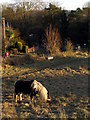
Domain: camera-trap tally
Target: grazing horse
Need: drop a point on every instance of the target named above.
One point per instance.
(24, 87)
(43, 92)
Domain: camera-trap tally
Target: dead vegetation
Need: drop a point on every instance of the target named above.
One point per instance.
(19, 60)
(52, 40)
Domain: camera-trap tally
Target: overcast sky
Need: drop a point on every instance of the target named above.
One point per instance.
(66, 4)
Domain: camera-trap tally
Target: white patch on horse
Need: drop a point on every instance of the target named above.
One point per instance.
(41, 90)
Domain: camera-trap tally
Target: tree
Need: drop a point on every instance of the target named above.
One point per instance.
(8, 13)
(52, 40)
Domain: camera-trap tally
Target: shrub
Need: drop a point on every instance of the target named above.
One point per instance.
(52, 40)
(15, 50)
(9, 32)
(11, 36)
(11, 52)
(12, 44)
(69, 46)
(25, 49)
(19, 46)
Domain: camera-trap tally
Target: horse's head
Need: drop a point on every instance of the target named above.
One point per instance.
(34, 85)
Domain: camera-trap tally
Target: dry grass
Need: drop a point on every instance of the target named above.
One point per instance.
(19, 60)
(66, 77)
(69, 46)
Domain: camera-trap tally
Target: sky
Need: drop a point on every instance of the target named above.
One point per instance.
(65, 4)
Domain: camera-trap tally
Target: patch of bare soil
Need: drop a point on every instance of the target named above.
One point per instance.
(66, 78)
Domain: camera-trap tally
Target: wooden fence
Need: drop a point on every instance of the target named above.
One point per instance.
(32, 49)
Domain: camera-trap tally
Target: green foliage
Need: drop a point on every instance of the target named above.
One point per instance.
(12, 44)
(54, 9)
(9, 32)
(25, 49)
(20, 46)
(12, 36)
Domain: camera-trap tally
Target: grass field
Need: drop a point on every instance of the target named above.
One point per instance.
(65, 76)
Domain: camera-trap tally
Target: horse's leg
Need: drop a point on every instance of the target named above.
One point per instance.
(20, 97)
(16, 97)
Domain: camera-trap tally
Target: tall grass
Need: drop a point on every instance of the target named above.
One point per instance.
(69, 46)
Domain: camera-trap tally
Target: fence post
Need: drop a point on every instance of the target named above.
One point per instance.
(3, 28)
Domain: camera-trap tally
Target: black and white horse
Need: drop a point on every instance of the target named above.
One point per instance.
(43, 92)
(24, 87)
(32, 88)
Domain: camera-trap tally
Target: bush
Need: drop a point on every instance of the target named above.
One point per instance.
(12, 44)
(19, 46)
(15, 50)
(11, 36)
(52, 40)
(69, 46)
(9, 32)
(11, 52)
(25, 49)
